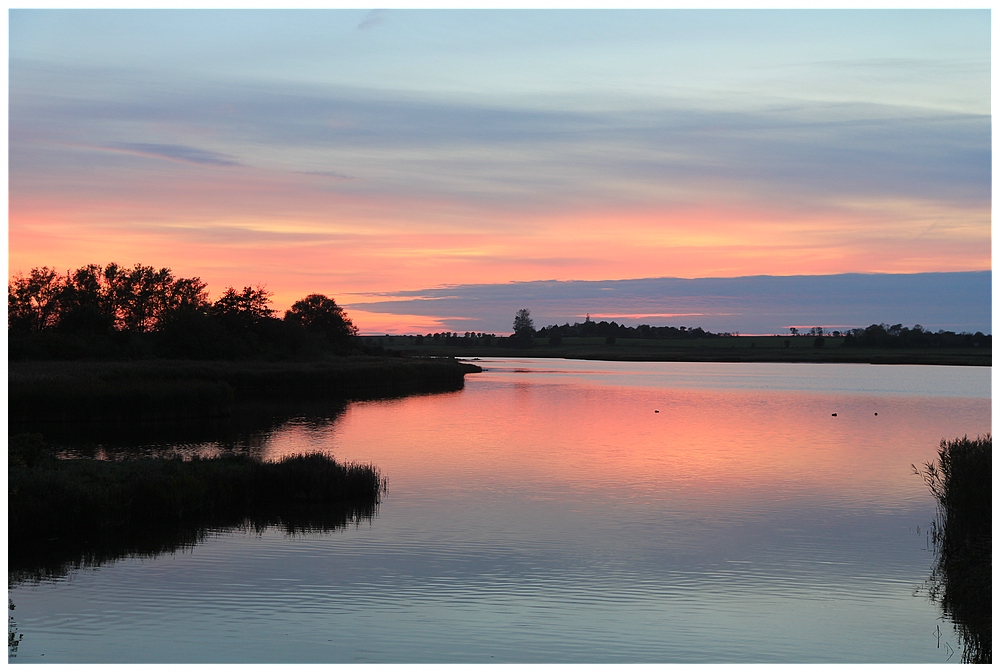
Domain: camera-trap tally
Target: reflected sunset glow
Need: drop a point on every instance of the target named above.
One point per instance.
(527, 433)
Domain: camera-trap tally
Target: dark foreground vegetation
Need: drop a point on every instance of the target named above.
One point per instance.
(961, 481)
(157, 390)
(114, 312)
(65, 513)
(137, 344)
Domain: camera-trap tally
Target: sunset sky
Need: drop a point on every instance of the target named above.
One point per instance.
(370, 155)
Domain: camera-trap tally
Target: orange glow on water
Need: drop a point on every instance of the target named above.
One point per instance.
(708, 445)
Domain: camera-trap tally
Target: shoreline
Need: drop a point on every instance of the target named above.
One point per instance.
(154, 390)
(738, 349)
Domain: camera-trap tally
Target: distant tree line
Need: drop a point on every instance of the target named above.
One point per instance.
(876, 336)
(898, 336)
(456, 338)
(135, 312)
(614, 330)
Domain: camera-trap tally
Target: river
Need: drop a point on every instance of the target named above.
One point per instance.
(569, 511)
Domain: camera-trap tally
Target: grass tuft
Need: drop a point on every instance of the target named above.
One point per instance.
(961, 481)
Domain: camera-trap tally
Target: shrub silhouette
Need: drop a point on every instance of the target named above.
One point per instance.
(320, 314)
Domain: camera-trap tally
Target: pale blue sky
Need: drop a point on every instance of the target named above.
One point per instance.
(931, 59)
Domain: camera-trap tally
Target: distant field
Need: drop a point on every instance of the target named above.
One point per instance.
(723, 349)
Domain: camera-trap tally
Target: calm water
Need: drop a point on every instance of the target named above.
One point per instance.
(548, 513)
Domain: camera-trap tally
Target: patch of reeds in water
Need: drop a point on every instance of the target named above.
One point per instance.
(961, 481)
(65, 513)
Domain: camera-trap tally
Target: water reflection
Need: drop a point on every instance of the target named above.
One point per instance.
(962, 534)
(964, 591)
(247, 431)
(553, 516)
(53, 558)
(13, 636)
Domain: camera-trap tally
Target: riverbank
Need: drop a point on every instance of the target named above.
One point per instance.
(68, 511)
(720, 349)
(149, 390)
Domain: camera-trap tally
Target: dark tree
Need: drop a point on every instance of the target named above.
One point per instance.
(33, 301)
(252, 305)
(320, 314)
(524, 327)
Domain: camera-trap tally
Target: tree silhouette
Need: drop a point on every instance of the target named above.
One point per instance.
(320, 314)
(33, 301)
(251, 305)
(118, 311)
(524, 327)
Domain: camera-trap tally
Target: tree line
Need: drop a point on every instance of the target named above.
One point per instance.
(609, 330)
(139, 311)
(898, 336)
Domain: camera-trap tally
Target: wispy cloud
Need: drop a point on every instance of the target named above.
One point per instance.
(180, 153)
(412, 145)
(326, 173)
(372, 19)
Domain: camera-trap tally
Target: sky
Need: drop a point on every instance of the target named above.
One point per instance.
(386, 156)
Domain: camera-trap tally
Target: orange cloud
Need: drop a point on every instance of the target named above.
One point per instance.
(243, 226)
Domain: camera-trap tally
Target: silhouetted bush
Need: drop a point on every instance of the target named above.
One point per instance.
(321, 314)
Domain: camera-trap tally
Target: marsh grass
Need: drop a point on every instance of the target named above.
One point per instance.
(66, 513)
(961, 481)
(156, 390)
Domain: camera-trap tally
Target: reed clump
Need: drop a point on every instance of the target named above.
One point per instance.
(961, 481)
(89, 510)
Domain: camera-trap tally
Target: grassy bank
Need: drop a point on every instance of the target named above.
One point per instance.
(170, 389)
(961, 481)
(721, 349)
(73, 511)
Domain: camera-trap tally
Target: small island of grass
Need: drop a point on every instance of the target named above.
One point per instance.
(66, 511)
